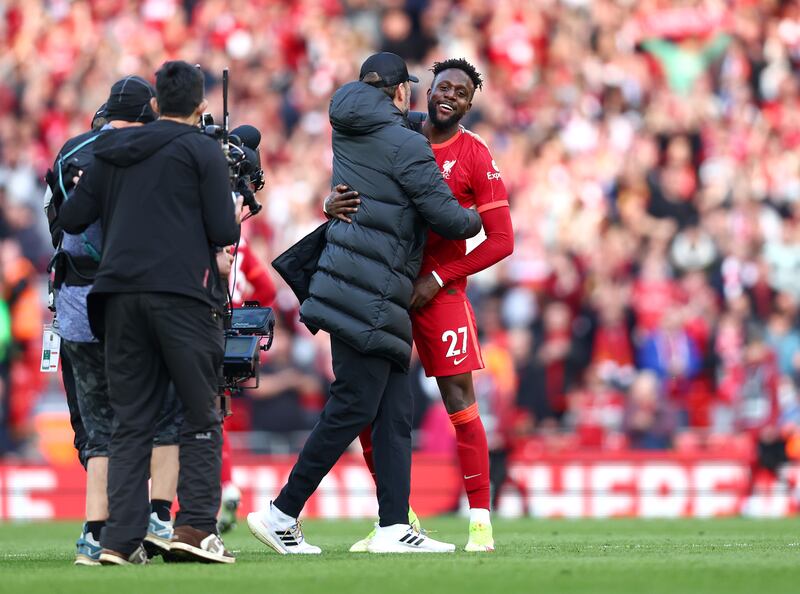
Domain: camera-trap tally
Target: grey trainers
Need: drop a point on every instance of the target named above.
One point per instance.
(159, 534)
(89, 549)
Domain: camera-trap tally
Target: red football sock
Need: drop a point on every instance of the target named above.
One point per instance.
(226, 475)
(366, 444)
(473, 453)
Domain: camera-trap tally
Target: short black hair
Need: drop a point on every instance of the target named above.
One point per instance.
(459, 64)
(179, 88)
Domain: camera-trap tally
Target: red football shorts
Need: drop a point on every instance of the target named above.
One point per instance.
(447, 338)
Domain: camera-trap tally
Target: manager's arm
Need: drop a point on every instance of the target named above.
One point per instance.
(219, 212)
(418, 174)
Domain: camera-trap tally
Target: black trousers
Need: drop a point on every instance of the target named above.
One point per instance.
(152, 338)
(366, 390)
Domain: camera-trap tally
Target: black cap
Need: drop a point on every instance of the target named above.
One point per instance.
(129, 100)
(390, 67)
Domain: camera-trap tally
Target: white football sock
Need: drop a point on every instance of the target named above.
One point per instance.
(479, 516)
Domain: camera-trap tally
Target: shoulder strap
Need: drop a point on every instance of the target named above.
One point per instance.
(63, 158)
(93, 252)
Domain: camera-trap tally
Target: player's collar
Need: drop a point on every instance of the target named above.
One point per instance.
(450, 140)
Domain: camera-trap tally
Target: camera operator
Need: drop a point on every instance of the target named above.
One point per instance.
(83, 359)
(164, 200)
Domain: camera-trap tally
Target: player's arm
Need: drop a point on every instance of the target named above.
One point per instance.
(499, 244)
(491, 199)
(263, 288)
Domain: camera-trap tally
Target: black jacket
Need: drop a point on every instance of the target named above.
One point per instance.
(163, 196)
(362, 287)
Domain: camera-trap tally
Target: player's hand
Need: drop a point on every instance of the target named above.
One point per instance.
(425, 289)
(341, 202)
(225, 261)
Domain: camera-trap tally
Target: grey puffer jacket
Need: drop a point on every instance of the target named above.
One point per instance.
(362, 286)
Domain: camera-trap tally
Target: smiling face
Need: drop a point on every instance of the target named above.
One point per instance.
(450, 97)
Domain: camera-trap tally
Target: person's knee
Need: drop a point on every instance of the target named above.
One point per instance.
(194, 418)
(356, 415)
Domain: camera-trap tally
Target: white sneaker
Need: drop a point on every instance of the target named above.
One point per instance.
(362, 546)
(402, 538)
(285, 541)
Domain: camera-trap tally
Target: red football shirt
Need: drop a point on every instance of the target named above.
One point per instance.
(473, 177)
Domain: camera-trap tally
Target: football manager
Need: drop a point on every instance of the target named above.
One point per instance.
(358, 279)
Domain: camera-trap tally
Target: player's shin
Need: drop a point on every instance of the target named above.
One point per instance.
(473, 455)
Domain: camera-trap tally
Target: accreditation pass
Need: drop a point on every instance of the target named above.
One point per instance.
(51, 348)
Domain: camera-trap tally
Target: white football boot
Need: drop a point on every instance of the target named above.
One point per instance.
(402, 538)
(280, 532)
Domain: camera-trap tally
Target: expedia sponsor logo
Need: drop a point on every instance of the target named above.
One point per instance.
(493, 175)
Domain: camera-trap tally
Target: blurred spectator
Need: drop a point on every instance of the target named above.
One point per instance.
(596, 412)
(674, 358)
(495, 391)
(650, 421)
(531, 393)
(6, 443)
(784, 339)
(21, 295)
(755, 404)
(612, 350)
(555, 356)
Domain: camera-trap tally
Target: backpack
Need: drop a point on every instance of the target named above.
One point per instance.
(59, 181)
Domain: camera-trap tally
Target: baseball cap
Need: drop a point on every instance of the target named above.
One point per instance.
(129, 100)
(390, 67)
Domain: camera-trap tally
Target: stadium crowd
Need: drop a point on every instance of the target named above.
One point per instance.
(650, 150)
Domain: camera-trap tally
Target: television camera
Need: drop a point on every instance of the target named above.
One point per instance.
(240, 147)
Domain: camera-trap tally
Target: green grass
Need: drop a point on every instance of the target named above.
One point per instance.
(728, 556)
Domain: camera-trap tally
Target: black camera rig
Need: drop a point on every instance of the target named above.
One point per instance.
(246, 330)
(240, 147)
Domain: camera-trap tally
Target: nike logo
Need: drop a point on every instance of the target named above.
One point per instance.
(471, 476)
(459, 361)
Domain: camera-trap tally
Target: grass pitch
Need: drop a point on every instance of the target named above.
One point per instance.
(584, 556)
